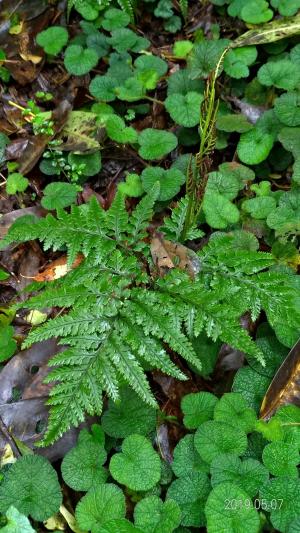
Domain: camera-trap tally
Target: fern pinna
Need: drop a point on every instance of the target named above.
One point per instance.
(122, 315)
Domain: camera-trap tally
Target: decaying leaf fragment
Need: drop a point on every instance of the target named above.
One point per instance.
(167, 255)
(285, 386)
(58, 268)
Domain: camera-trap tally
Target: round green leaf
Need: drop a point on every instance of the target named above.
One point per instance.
(100, 505)
(219, 211)
(233, 409)
(213, 438)
(248, 474)
(259, 208)
(286, 8)
(99, 43)
(58, 195)
(204, 57)
(82, 466)
(137, 466)
(281, 458)
(282, 74)
(31, 485)
(251, 385)
(256, 12)
(16, 183)
(230, 123)
(128, 416)
(91, 162)
(237, 60)
(114, 19)
(170, 181)
(80, 61)
(151, 62)
(190, 492)
(184, 109)
(152, 515)
(230, 510)
(186, 459)
(180, 83)
(8, 344)
(281, 497)
(103, 88)
(16, 522)
(287, 108)
(197, 408)
(155, 144)
(53, 39)
(254, 146)
(119, 525)
(225, 184)
(123, 39)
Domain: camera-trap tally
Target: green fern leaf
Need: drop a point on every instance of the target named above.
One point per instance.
(128, 6)
(184, 5)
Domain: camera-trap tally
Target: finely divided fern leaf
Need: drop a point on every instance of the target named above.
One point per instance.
(122, 316)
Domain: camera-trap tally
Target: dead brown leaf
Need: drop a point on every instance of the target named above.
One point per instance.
(285, 386)
(167, 255)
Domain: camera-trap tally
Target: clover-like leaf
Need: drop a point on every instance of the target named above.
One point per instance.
(184, 109)
(256, 12)
(290, 139)
(82, 466)
(31, 485)
(114, 19)
(248, 474)
(282, 74)
(103, 88)
(237, 61)
(152, 515)
(281, 458)
(251, 385)
(170, 181)
(286, 8)
(230, 123)
(118, 131)
(285, 491)
(213, 438)
(53, 39)
(219, 211)
(91, 163)
(98, 506)
(58, 195)
(8, 344)
(89, 9)
(132, 186)
(99, 43)
(128, 416)
(79, 60)
(137, 466)
(233, 409)
(155, 144)
(16, 183)
(16, 522)
(254, 146)
(229, 508)
(197, 408)
(131, 91)
(287, 108)
(190, 492)
(186, 459)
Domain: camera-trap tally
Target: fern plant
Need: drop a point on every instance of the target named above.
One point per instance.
(122, 315)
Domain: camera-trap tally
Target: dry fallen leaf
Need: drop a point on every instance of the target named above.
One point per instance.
(58, 268)
(285, 386)
(167, 255)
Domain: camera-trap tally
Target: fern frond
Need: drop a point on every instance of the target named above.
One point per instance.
(128, 6)
(142, 214)
(184, 5)
(174, 225)
(117, 217)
